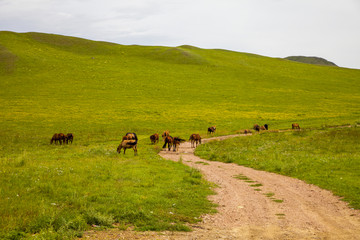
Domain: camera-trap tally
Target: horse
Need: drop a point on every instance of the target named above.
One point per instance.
(58, 137)
(211, 130)
(169, 140)
(165, 134)
(55, 138)
(295, 126)
(266, 126)
(195, 138)
(262, 128)
(69, 138)
(129, 144)
(256, 127)
(154, 138)
(176, 143)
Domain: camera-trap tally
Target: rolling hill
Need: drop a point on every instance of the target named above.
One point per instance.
(54, 78)
(99, 91)
(311, 60)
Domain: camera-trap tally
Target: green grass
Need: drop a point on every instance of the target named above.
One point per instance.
(329, 158)
(99, 91)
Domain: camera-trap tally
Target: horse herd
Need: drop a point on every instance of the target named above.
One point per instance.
(62, 138)
(130, 140)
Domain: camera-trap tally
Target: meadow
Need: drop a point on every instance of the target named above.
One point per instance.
(329, 158)
(99, 91)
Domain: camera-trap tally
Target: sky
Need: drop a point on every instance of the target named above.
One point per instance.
(276, 28)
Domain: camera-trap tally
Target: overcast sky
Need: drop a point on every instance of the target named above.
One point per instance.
(274, 28)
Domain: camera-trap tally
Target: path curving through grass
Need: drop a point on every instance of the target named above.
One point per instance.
(255, 204)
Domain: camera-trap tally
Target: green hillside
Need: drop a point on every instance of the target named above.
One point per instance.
(99, 91)
(55, 82)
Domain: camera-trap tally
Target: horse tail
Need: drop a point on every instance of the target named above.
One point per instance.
(136, 139)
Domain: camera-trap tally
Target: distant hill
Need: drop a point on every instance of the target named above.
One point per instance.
(311, 60)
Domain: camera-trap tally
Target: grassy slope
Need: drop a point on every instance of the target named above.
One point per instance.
(99, 91)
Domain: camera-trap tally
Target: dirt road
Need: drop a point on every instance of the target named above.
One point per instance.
(280, 208)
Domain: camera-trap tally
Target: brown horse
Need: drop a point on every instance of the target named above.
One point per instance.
(154, 138)
(176, 143)
(211, 130)
(262, 128)
(69, 138)
(195, 138)
(256, 127)
(58, 137)
(55, 138)
(295, 126)
(128, 144)
(165, 134)
(169, 140)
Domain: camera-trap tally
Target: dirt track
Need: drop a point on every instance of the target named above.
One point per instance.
(246, 212)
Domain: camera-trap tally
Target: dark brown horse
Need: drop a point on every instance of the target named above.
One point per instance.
(195, 138)
(212, 129)
(256, 127)
(69, 138)
(169, 140)
(128, 144)
(58, 137)
(176, 143)
(154, 138)
(295, 126)
(55, 138)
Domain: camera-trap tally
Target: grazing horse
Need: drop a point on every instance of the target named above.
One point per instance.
(266, 126)
(262, 128)
(169, 140)
(295, 126)
(165, 134)
(212, 129)
(256, 127)
(69, 138)
(55, 138)
(154, 138)
(128, 144)
(62, 138)
(195, 138)
(176, 143)
(58, 137)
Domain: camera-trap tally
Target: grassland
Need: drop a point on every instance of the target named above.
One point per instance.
(99, 91)
(328, 158)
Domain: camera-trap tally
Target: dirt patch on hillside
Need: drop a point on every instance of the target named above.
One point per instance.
(275, 207)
